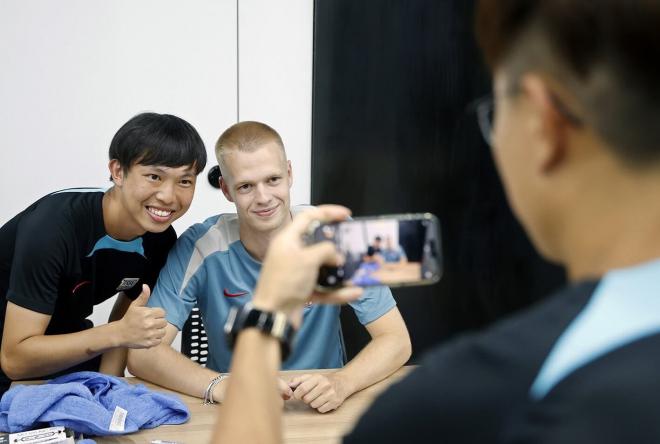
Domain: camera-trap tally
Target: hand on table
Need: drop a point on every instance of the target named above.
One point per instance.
(285, 391)
(321, 392)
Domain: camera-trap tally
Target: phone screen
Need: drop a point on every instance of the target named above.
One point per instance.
(392, 250)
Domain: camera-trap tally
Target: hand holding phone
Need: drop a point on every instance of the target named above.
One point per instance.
(393, 250)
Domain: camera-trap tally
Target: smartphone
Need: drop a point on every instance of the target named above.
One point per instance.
(394, 250)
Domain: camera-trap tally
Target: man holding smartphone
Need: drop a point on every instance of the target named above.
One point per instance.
(577, 143)
(216, 265)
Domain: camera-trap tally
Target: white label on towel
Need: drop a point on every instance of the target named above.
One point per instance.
(118, 420)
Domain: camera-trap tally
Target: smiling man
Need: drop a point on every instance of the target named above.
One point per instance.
(75, 248)
(216, 265)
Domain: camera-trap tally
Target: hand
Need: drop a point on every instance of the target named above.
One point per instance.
(321, 392)
(142, 326)
(285, 391)
(290, 269)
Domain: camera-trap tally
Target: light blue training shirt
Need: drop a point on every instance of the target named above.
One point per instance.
(209, 266)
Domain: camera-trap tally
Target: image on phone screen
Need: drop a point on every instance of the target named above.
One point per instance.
(388, 250)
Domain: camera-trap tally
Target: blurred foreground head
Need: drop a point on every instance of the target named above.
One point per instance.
(577, 110)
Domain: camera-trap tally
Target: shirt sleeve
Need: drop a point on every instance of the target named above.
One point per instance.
(374, 303)
(40, 258)
(179, 280)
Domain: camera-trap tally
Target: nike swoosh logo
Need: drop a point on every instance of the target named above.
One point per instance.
(234, 295)
(80, 284)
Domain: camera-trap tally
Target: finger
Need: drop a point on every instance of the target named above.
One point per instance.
(142, 299)
(305, 387)
(158, 313)
(324, 253)
(295, 382)
(323, 213)
(160, 324)
(340, 296)
(285, 390)
(327, 407)
(321, 400)
(314, 393)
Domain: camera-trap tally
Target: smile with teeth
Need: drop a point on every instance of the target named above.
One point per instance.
(158, 212)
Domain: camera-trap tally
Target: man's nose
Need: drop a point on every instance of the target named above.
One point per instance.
(262, 194)
(166, 193)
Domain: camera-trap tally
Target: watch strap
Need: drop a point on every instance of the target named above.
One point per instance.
(275, 324)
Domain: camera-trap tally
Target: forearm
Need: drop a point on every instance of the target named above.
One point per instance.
(113, 362)
(382, 356)
(164, 366)
(41, 355)
(252, 389)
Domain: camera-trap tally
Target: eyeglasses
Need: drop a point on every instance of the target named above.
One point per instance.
(485, 108)
(485, 116)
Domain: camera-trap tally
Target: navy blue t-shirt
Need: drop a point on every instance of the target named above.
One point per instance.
(581, 366)
(57, 259)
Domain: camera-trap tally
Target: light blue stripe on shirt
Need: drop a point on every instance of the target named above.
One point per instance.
(107, 242)
(81, 190)
(625, 307)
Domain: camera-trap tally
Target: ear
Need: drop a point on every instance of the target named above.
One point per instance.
(549, 126)
(225, 189)
(289, 173)
(116, 172)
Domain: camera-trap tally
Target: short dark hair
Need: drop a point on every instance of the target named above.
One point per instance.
(158, 139)
(605, 52)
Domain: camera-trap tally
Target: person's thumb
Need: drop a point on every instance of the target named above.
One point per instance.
(142, 299)
(324, 253)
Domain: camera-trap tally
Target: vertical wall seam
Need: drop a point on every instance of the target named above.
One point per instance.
(238, 59)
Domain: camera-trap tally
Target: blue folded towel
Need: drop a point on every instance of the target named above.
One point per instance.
(86, 402)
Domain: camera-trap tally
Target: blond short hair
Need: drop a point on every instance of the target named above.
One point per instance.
(246, 136)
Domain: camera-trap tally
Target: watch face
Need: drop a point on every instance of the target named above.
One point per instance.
(274, 324)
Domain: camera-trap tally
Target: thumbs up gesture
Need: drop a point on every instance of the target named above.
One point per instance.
(142, 326)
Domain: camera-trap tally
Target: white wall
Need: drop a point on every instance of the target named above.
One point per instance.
(73, 71)
(275, 41)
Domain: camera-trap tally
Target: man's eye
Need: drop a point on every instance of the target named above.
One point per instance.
(275, 180)
(153, 177)
(186, 182)
(244, 188)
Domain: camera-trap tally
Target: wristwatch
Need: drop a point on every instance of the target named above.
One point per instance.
(274, 324)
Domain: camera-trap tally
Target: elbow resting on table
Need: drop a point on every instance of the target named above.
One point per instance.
(14, 367)
(136, 359)
(406, 349)
(132, 362)
(399, 346)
